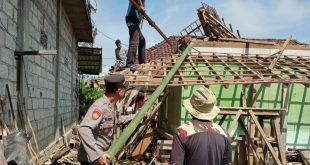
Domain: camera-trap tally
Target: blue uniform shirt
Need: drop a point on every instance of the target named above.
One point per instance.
(133, 12)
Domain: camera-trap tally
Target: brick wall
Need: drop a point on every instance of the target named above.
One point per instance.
(39, 80)
(8, 36)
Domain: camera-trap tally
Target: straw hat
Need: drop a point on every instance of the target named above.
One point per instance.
(202, 104)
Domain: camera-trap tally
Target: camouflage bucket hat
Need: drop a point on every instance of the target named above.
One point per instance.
(202, 104)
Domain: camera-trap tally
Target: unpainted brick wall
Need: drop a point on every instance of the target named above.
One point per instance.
(40, 71)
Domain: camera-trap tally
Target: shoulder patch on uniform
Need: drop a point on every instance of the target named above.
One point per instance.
(187, 129)
(96, 114)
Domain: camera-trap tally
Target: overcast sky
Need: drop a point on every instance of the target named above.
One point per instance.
(253, 18)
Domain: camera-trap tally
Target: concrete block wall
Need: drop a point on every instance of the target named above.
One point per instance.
(39, 75)
(8, 37)
(68, 107)
(40, 71)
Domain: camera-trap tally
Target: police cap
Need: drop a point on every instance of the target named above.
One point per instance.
(116, 80)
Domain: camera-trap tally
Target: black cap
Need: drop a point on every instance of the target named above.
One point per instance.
(116, 80)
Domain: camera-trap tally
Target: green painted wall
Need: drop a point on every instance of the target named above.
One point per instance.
(298, 131)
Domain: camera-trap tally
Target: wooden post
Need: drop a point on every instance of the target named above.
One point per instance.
(261, 131)
(250, 102)
(284, 105)
(281, 144)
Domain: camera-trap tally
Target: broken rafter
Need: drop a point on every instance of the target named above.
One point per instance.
(211, 24)
(280, 53)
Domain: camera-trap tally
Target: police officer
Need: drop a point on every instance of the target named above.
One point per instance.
(98, 128)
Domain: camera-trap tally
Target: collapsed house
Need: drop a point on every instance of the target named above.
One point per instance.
(261, 84)
(261, 87)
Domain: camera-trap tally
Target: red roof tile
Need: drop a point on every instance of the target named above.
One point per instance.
(162, 49)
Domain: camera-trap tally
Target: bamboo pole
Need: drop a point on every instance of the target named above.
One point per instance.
(119, 143)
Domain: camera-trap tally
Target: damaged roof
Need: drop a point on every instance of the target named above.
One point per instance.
(162, 49)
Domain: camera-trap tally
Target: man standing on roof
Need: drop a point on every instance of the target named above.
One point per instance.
(136, 38)
(120, 54)
(98, 128)
(201, 141)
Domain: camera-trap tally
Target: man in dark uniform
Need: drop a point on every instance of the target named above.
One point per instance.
(201, 141)
(98, 129)
(136, 38)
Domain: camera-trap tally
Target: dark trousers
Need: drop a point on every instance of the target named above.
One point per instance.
(87, 163)
(136, 41)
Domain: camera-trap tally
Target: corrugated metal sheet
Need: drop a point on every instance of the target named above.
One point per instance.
(89, 60)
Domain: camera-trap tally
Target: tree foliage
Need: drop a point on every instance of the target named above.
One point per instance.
(88, 96)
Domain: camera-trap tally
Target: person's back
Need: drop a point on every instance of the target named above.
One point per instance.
(201, 142)
(120, 53)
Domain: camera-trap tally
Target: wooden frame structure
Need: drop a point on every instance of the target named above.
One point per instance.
(225, 69)
(209, 68)
(209, 24)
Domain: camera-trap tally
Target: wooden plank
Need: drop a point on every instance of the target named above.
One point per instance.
(235, 122)
(280, 53)
(260, 129)
(143, 144)
(220, 26)
(210, 67)
(149, 74)
(227, 67)
(194, 66)
(180, 73)
(39, 52)
(241, 138)
(305, 155)
(164, 144)
(285, 94)
(267, 70)
(11, 110)
(145, 123)
(167, 135)
(250, 141)
(252, 130)
(255, 73)
(280, 142)
(222, 120)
